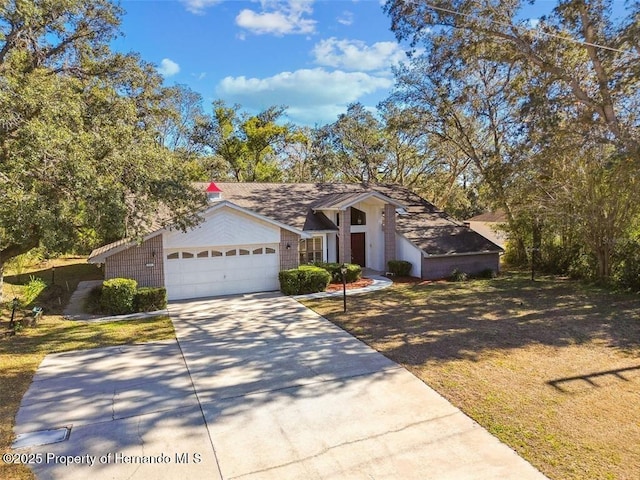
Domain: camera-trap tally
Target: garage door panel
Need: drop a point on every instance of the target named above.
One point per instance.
(246, 269)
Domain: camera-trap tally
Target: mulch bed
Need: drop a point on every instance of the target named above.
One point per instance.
(363, 282)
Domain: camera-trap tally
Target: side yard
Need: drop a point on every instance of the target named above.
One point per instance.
(551, 367)
(21, 354)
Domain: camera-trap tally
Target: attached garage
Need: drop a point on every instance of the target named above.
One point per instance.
(231, 251)
(221, 270)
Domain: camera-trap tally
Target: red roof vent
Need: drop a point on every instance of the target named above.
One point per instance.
(213, 188)
(213, 192)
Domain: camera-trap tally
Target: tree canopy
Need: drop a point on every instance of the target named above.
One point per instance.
(539, 118)
(548, 111)
(81, 160)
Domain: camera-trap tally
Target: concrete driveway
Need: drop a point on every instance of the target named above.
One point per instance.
(257, 387)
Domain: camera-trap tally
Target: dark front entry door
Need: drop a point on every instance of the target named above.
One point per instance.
(358, 249)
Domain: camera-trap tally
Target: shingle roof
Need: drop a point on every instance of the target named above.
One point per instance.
(297, 205)
(490, 217)
(430, 229)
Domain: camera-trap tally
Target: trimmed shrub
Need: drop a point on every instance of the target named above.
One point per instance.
(117, 295)
(354, 272)
(458, 276)
(289, 281)
(313, 279)
(400, 268)
(306, 279)
(149, 299)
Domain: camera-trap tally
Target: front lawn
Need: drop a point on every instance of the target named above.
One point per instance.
(21, 354)
(551, 367)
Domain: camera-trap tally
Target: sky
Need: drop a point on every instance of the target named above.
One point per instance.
(315, 57)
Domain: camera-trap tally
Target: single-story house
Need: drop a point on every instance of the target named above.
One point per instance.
(251, 231)
(489, 226)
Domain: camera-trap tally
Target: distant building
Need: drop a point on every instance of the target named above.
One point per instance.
(488, 225)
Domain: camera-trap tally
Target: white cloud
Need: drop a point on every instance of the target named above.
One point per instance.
(357, 55)
(168, 67)
(314, 96)
(198, 6)
(346, 18)
(279, 18)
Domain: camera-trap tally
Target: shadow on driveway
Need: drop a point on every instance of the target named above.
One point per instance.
(255, 387)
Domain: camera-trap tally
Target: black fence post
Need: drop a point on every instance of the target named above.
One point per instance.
(14, 305)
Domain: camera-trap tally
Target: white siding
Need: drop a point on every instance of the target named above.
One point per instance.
(374, 236)
(224, 227)
(405, 250)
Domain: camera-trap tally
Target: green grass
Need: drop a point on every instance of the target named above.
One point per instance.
(21, 354)
(550, 367)
(61, 277)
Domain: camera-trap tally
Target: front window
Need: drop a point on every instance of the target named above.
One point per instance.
(310, 250)
(358, 217)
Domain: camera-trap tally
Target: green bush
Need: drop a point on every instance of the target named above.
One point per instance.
(117, 295)
(626, 270)
(289, 281)
(354, 272)
(400, 268)
(306, 279)
(150, 299)
(32, 290)
(313, 279)
(458, 276)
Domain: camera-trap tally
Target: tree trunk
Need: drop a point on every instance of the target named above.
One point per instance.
(603, 256)
(1, 280)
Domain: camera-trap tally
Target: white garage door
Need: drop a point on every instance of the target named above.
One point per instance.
(205, 272)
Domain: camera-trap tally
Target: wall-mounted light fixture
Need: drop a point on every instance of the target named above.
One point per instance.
(288, 247)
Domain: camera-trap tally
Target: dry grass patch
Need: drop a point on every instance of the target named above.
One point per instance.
(551, 368)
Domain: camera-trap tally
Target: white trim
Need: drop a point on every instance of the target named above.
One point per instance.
(219, 204)
(361, 198)
(121, 248)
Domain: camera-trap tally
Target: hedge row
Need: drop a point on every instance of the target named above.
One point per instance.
(305, 279)
(119, 296)
(354, 272)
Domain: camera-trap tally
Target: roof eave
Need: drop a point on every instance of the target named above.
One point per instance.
(100, 258)
(465, 254)
(337, 207)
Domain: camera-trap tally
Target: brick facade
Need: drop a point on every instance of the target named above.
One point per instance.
(143, 263)
(289, 257)
(389, 234)
(344, 238)
(435, 268)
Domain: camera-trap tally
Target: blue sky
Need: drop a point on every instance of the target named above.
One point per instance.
(315, 57)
